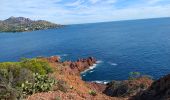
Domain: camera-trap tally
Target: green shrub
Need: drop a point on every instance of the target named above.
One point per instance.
(57, 98)
(42, 83)
(10, 66)
(8, 91)
(36, 66)
(92, 92)
(134, 75)
(19, 77)
(25, 75)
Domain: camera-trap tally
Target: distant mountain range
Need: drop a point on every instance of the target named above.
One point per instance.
(21, 24)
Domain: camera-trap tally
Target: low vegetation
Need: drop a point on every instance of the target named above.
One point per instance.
(92, 92)
(62, 86)
(19, 79)
(134, 75)
(42, 83)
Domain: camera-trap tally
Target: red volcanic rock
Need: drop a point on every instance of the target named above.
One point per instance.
(65, 63)
(83, 64)
(80, 65)
(74, 67)
(96, 86)
(54, 59)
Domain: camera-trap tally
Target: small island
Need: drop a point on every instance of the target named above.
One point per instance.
(21, 24)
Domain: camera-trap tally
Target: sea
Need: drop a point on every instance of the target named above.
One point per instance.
(120, 47)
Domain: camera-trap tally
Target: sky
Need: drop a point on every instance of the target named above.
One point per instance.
(84, 11)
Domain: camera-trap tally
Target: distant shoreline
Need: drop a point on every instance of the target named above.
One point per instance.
(21, 24)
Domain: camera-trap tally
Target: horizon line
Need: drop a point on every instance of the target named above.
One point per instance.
(120, 20)
(94, 22)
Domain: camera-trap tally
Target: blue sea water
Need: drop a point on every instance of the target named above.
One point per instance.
(121, 47)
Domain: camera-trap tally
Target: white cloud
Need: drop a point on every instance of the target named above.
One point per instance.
(80, 11)
(103, 1)
(76, 3)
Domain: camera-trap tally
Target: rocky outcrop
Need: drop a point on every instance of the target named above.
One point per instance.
(141, 88)
(80, 65)
(53, 59)
(159, 90)
(96, 86)
(73, 88)
(127, 88)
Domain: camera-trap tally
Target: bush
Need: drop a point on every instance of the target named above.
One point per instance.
(36, 66)
(14, 67)
(42, 83)
(24, 70)
(57, 98)
(92, 92)
(7, 89)
(25, 75)
(134, 75)
(18, 77)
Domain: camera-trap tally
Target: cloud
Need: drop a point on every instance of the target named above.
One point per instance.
(84, 11)
(76, 3)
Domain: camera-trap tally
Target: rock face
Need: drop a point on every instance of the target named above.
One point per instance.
(141, 88)
(73, 88)
(80, 65)
(96, 86)
(127, 88)
(73, 67)
(159, 90)
(53, 59)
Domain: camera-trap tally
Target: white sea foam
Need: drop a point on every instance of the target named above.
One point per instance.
(91, 71)
(113, 64)
(84, 75)
(99, 61)
(101, 82)
(92, 67)
(62, 55)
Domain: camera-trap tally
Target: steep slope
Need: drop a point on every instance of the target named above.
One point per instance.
(73, 87)
(127, 88)
(159, 90)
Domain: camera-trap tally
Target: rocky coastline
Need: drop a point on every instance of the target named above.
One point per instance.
(70, 86)
(135, 89)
